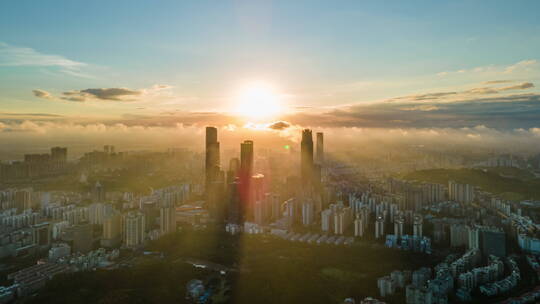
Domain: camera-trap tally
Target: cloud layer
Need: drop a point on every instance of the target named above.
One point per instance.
(83, 137)
(504, 112)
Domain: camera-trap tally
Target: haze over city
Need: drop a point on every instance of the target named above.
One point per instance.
(144, 68)
(200, 143)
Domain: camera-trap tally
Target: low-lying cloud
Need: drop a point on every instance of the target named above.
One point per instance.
(84, 137)
(279, 125)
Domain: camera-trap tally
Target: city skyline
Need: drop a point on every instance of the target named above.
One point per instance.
(269, 151)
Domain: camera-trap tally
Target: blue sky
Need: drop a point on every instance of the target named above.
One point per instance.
(322, 54)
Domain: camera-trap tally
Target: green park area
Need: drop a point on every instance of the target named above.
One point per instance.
(260, 269)
(508, 183)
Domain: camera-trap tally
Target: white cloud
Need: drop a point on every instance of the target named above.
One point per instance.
(17, 56)
(522, 66)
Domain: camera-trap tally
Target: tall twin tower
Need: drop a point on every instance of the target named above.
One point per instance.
(236, 193)
(243, 170)
(212, 164)
(310, 168)
(311, 171)
(230, 194)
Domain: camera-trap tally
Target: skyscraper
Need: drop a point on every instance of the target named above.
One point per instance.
(235, 207)
(234, 170)
(232, 189)
(320, 148)
(306, 157)
(212, 162)
(246, 158)
(246, 172)
(234, 165)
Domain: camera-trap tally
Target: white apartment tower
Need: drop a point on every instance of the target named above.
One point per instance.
(379, 227)
(417, 225)
(134, 229)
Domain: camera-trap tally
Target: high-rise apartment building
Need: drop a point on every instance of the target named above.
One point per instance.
(259, 214)
(167, 219)
(23, 199)
(417, 225)
(342, 220)
(308, 213)
(275, 206)
(291, 211)
(379, 227)
(59, 155)
(112, 230)
(97, 212)
(358, 226)
(80, 237)
(134, 225)
(493, 242)
(459, 235)
(98, 193)
(398, 226)
(41, 234)
(462, 193)
(327, 220)
(474, 237)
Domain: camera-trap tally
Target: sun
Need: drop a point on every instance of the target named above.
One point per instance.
(258, 101)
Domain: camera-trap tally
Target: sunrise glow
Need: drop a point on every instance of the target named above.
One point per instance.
(258, 101)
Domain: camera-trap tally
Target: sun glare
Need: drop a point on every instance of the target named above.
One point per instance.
(258, 101)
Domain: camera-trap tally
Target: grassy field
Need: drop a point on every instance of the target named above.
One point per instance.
(510, 183)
